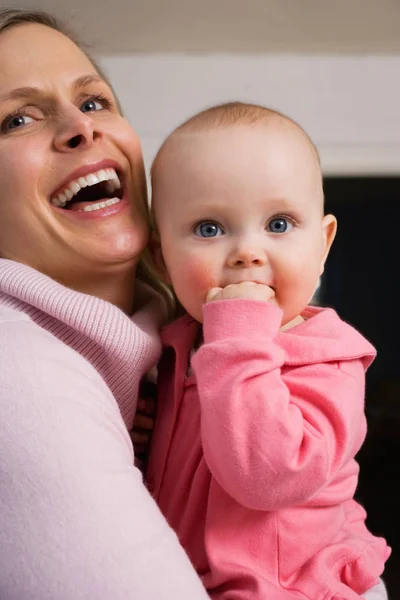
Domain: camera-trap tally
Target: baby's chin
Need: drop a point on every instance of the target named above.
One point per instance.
(292, 323)
(196, 312)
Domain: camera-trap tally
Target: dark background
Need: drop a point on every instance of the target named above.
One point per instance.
(361, 282)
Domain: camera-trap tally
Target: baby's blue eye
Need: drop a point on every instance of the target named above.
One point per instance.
(208, 229)
(279, 225)
(91, 106)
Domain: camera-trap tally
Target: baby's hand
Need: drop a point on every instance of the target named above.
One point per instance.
(248, 290)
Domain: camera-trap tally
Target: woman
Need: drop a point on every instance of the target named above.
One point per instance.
(76, 334)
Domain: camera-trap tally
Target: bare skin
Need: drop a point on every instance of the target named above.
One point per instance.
(58, 116)
(259, 192)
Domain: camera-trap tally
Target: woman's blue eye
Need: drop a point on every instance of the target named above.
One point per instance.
(208, 230)
(91, 106)
(279, 225)
(18, 121)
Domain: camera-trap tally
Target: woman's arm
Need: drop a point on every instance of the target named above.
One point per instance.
(76, 521)
(271, 440)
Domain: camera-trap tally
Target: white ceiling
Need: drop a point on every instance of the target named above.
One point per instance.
(307, 26)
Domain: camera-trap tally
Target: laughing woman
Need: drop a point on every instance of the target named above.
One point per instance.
(77, 332)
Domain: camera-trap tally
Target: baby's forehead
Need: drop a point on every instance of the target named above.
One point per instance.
(259, 151)
(225, 163)
(272, 135)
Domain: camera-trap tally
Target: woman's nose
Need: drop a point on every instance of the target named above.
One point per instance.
(76, 130)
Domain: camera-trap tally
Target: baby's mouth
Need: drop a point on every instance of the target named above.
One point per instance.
(92, 192)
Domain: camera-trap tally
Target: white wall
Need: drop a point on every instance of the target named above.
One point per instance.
(350, 106)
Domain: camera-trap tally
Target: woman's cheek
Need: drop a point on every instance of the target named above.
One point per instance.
(22, 167)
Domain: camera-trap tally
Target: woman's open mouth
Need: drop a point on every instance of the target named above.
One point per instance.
(92, 192)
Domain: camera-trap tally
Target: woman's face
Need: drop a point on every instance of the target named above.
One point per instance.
(58, 126)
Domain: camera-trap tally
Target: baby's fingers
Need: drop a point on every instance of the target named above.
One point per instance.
(213, 294)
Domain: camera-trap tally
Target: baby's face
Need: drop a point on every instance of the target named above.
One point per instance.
(242, 204)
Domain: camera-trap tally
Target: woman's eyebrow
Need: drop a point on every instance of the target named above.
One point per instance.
(20, 93)
(87, 80)
(25, 92)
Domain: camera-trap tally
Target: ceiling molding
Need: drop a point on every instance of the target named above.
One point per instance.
(256, 26)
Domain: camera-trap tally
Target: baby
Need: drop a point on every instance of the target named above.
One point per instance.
(261, 397)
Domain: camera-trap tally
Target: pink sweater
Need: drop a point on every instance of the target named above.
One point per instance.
(76, 522)
(253, 455)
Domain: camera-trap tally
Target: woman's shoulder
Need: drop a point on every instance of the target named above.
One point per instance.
(10, 315)
(17, 334)
(21, 335)
(43, 377)
(33, 357)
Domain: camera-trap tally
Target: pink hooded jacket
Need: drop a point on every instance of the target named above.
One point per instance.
(252, 457)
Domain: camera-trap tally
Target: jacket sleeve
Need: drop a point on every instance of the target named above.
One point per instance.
(272, 440)
(75, 518)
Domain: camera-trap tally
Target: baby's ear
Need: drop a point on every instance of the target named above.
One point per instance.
(158, 258)
(329, 227)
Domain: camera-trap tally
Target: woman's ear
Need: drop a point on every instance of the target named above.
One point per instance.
(158, 258)
(329, 228)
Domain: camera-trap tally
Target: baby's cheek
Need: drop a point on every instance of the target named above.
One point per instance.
(201, 276)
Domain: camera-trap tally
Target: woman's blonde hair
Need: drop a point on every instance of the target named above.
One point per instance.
(14, 17)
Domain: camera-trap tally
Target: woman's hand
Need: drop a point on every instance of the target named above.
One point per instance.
(144, 423)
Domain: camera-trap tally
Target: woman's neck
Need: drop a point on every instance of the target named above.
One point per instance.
(115, 287)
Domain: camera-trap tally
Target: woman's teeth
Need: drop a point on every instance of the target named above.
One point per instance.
(67, 194)
(102, 204)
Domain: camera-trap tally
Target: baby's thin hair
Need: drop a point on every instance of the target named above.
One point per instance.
(227, 115)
